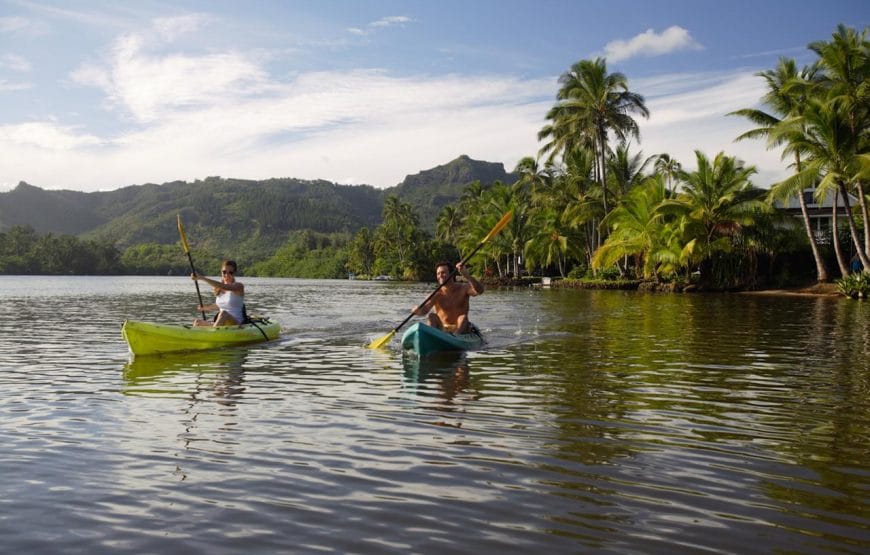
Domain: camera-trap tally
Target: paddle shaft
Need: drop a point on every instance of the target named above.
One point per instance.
(195, 282)
(190, 259)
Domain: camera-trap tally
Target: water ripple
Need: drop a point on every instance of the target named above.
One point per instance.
(592, 422)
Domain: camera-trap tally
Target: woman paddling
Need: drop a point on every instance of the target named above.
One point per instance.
(229, 297)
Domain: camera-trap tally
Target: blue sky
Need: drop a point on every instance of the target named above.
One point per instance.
(100, 95)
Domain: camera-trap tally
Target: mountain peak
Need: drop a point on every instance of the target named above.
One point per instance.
(430, 190)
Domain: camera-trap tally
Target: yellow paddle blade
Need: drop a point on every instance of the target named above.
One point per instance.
(378, 343)
(183, 237)
(499, 226)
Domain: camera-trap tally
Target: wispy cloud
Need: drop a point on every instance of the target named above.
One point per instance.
(45, 135)
(6, 86)
(170, 28)
(14, 62)
(186, 116)
(22, 26)
(380, 24)
(649, 44)
(12, 24)
(150, 86)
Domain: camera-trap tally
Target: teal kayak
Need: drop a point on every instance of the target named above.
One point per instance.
(146, 338)
(424, 339)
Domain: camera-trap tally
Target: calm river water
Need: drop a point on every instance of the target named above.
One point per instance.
(593, 422)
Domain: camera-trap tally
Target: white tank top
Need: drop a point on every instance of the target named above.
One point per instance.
(231, 303)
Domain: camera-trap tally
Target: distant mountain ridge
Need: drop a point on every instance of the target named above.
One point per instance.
(236, 212)
(430, 190)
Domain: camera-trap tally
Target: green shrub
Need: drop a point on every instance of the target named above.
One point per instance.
(856, 285)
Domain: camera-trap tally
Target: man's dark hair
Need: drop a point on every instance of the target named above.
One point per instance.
(445, 263)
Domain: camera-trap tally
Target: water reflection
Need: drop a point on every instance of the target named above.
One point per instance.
(448, 372)
(210, 375)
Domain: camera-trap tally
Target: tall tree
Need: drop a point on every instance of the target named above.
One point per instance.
(845, 61)
(670, 168)
(787, 91)
(591, 105)
(637, 229)
(720, 198)
(821, 134)
(447, 224)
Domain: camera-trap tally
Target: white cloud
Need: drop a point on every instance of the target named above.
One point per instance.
(649, 44)
(149, 87)
(46, 136)
(13, 24)
(14, 62)
(689, 113)
(6, 86)
(221, 114)
(170, 28)
(380, 24)
(187, 117)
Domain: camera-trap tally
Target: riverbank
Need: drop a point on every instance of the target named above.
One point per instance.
(816, 289)
(813, 289)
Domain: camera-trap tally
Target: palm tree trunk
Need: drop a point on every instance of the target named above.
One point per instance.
(602, 150)
(862, 256)
(862, 198)
(821, 270)
(835, 235)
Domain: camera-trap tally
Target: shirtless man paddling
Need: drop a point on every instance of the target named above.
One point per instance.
(450, 303)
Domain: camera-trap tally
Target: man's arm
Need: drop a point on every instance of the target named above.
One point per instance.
(475, 287)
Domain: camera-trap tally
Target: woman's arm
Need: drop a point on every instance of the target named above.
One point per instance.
(235, 287)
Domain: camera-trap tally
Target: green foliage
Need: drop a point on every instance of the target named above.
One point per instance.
(577, 271)
(307, 254)
(23, 251)
(855, 285)
(154, 259)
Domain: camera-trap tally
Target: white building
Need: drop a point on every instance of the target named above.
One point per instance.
(820, 213)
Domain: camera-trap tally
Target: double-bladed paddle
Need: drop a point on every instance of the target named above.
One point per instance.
(189, 259)
(380, 342)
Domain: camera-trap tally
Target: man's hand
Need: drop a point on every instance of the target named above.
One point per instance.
(462, 269)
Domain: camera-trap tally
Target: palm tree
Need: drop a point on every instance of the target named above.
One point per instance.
(397, 237)
(533, 178)
(822, 135)
(592, 104)
(582, 207)
(627, 170)
(637, 227)
(845, 61)
(669, 168)
(786, 94)
(447, 224)
(549, 243)
(720, 199)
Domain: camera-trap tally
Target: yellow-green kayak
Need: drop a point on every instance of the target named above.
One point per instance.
(147, 338)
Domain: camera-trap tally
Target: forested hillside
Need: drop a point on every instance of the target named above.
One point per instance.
(247, 220)
(431, 190)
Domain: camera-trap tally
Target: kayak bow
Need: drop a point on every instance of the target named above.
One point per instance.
(423, 340)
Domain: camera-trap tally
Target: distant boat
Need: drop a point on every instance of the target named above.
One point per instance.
(383, 278)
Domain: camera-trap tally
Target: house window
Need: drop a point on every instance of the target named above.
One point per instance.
(808, 198)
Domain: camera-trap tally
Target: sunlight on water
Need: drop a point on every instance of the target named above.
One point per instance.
(590, 422)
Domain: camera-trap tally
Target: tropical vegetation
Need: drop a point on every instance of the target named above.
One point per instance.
(589, 204)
